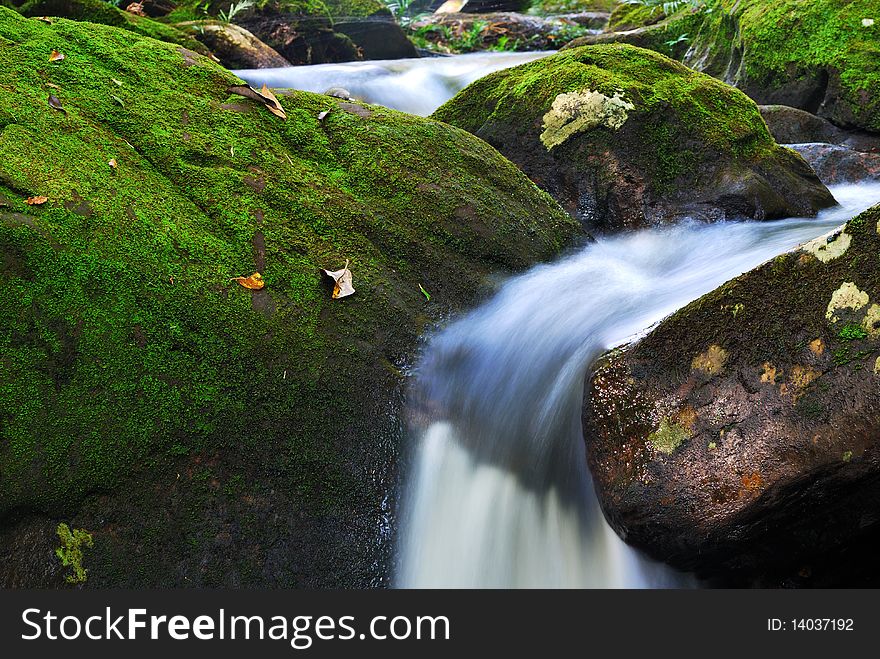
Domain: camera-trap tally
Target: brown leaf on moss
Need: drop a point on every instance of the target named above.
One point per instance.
(112, 163)
(36, 201)
(55, 103)
(55, 56)
(264, 96)
(254, 282)
(342, 281)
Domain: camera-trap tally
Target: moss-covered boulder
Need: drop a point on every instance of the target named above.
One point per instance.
(205, 433)
(820, 56)
(624, 138)
(556, 7)
(104, 13)
(741, 434)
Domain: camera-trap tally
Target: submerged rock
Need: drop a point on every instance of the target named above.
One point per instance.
(204, 433)
(233, 46)
(740, 435)
(818, 56)
(626, 138)
(839, 164)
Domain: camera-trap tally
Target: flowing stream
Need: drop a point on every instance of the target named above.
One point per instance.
(418, 86)
(498, 493)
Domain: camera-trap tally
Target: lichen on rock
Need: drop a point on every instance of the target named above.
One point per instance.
(848, 296)
(829, 246)
(576, 112)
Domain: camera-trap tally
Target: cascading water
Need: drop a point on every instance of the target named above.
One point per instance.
(499, 494)
(417, 86)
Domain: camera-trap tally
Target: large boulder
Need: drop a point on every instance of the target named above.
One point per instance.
(818, 56)
(625, 138)
(740, 436)
(203, 432)
(790, 125)
(233, 46)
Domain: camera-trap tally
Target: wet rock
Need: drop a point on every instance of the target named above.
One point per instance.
(790, 125)
(377, 37)
(625, 138)
(299, 39)
(739, 437)
(838, 164)
(234, 46)
(157, 8)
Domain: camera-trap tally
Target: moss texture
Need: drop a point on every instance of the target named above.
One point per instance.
(818, 55)
(104, 13)
(688, 135)
(125, 348)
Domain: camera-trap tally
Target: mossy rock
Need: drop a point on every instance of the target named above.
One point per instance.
(633, 15)
(769, 388)
(104, 13)
(204, 433)
(624, 138)
(820, 56)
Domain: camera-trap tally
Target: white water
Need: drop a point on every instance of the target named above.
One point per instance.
(418, 86)
(499, 494)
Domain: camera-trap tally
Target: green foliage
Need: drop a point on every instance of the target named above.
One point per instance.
(71, 551)
(234, 10)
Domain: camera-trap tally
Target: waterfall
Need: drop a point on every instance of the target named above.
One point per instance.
(497, 492)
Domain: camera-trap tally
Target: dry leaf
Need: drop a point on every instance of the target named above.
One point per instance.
(342, 279)
(112, 163)
(265, 97)
(254, 282)
(51, 86)
(323, 114)
(55, 103)
(55, 56)
(116, 82)
(272, 103)
(45, 19)
(36, 201)
(118, 100)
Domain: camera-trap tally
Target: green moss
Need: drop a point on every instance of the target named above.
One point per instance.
(126, 348)
(71, 551)
(104, 13)
(668, 436)
(553, 7)
(674, 107)
(852, 332)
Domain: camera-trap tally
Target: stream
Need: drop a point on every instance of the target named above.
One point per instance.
(496, 490)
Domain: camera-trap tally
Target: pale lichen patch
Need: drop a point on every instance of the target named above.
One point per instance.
(871, 323)
(830, 246)
(848, 296)
(877, 366)
(576, 112)
(817, 346)
(710, 362)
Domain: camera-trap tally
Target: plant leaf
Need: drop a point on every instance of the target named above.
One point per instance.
(265, 97)
(272, 104)
(36, 201)
(323, 114)
(342, 281)
(55, 56)
(425, 293)
(254, 282)
(112, 163)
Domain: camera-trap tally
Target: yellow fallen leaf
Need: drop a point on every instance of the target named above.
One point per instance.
(342, 281)
(112, 163)
(254, 282)
(36, 201)
(55, 56)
